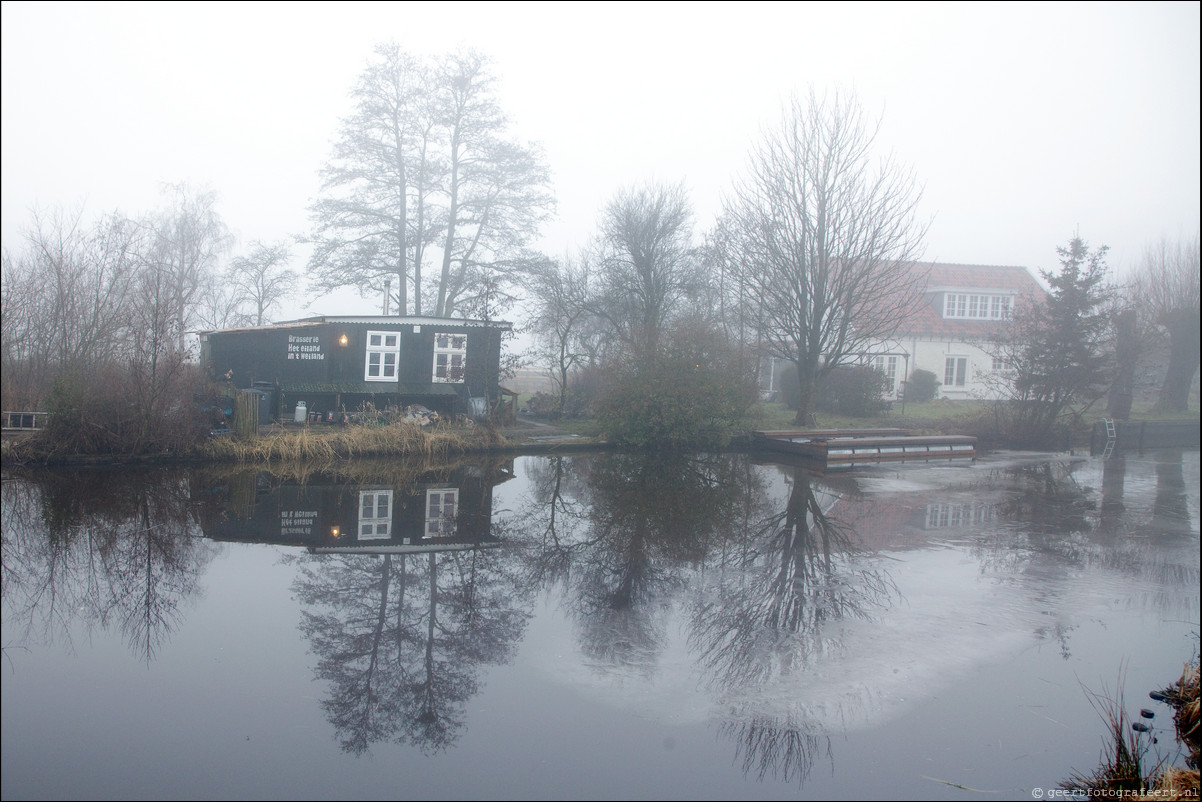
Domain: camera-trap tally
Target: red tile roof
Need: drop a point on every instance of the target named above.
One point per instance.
(927, 319)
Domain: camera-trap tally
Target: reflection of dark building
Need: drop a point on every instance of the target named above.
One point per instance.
(338, 363)
(439, 510)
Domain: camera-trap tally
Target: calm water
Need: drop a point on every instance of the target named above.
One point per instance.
(603, 626)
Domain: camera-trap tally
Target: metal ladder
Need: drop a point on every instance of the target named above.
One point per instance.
(1111, 439)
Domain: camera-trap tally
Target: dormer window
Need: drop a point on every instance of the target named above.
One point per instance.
(976, 307)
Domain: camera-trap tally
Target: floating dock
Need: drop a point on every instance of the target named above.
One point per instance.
(834, 446)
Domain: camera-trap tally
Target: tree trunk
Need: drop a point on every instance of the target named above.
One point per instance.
(1183, 360)
(1118, 404)
(807, 388)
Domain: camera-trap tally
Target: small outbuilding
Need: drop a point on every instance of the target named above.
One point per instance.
(331, 366)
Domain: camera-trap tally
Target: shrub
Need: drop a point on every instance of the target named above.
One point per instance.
(856, 390)
(586, 387)
(106, 411)
(543, 405)
(922, 386)
(693, 395)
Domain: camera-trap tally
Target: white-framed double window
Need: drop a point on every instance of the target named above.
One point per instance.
(375, 514)
(383, 355)
(976, 307)
(955, 371)
(888, 366)
(442, 509)
(450, 357)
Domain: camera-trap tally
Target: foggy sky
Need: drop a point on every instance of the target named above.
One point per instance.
(1025, 123)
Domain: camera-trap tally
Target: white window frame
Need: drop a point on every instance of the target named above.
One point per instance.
(887, 364)
(976, 306)
(383, 353)
(450, 357)
(375, 514)
(955, 367)
(442, 511)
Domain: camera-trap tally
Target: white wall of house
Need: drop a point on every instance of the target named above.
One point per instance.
(965, 370)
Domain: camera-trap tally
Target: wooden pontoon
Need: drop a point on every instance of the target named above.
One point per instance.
(866, 445)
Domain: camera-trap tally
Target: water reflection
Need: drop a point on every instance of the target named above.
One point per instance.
(100, 549)
(769, 611)
(770, 589)
(404, 595)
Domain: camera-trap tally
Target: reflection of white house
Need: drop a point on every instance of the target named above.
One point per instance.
(953, 321)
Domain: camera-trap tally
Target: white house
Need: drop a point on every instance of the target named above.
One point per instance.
(956, 316)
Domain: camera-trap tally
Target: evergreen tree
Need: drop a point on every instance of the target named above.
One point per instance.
(1061, 346)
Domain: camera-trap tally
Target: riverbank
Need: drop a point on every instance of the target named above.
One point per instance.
(289, 441)
(303, 441)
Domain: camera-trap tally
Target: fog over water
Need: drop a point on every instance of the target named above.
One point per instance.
(591, 626)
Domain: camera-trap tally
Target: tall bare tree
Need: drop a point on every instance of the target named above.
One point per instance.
(1166, 286)
(647, 263)
(827, 237)
(496, 188)
(422, 172)
(362, 222)
(189, 238)
(263, 278)
(559, 291)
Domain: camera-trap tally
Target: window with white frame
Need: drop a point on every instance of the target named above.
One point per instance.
(442, 506)
(375, 514)
(383, 354)
(450, 357)
(888, 366)
(999, 363)
(976, 307)
(955, 371)
(941, 515)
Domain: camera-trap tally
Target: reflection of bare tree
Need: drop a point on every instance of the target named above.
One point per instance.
(775, 747)
(553, 521)
(102, 549)
(766, 612)
(400, 639)
(1050, 525)
(771, 613)
(643, 520)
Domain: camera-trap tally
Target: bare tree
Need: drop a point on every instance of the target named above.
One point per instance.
(422, 172)
(827, 238)
(1166, 286)
(362, 219)
(263, 278)
(559, 321)
(65, 301)
(647, 263)
(189, 239)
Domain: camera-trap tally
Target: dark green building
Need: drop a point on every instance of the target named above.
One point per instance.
(335, 364)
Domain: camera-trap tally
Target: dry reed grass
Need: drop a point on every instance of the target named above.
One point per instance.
(1123, 767)
(330, 446)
